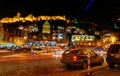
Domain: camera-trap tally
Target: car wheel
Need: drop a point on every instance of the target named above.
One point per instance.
(84, 65)
(101, 62)
(111, 65)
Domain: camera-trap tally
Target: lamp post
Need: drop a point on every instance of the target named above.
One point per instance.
(25, 39)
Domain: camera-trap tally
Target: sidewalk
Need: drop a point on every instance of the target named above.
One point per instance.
(93, 70)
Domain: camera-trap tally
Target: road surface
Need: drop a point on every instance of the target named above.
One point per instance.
(36, 65)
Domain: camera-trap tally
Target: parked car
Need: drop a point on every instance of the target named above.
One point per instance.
(78, 58)
(113, 55)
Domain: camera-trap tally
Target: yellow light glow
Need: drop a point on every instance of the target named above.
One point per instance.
(31, 18)
(113, 39)
(25, 37)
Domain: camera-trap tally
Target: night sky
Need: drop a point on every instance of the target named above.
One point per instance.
(100, 10)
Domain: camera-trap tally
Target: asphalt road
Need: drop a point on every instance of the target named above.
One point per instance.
(37, 65)
(28, 64)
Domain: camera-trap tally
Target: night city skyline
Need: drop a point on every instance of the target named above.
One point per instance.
(59, 37)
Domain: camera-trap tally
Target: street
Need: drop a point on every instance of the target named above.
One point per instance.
(38, 67)
(35, 65)
(25, 64)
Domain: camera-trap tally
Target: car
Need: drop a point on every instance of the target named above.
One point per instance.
(113, 55)
(79, 58)
(37, 51)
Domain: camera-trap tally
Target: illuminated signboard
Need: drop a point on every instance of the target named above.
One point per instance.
(83, 38)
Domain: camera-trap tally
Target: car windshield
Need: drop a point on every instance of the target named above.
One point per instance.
(69, 52)
(82, 52)
(77, 51)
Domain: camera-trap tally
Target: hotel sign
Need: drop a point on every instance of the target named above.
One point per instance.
(83, 38)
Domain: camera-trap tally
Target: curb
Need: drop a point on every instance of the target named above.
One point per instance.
(84, 73)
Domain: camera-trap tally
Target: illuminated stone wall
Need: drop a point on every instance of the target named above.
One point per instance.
(31, 18)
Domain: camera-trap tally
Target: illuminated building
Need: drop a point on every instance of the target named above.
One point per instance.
(39, 28)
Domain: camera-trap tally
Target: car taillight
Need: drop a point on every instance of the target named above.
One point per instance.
(75, 58)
